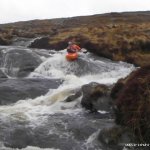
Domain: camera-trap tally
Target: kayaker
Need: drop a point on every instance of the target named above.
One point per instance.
(72, 48)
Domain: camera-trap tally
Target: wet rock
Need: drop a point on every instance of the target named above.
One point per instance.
(74, 96)
(2, 75)
(115, 137)
(96, 97)
(40, 43)
(12, 90)
(19, 63)
(44, 43)
(4, 41)
(25, 70)
(132, 103)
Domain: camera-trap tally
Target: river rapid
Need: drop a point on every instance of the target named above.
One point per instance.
(47, 121)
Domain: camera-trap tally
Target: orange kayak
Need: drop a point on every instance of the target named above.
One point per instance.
(71, 56)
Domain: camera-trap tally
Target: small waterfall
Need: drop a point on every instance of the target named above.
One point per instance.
(86, 69)
(48, 122)
(14, 59)
(24, 42)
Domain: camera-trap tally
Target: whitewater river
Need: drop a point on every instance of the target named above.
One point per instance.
(47, 122)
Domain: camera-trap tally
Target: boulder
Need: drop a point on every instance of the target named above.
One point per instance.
(44, 43)
(132, 103)
(96, 97)
(12, 90)
(19, 62)
(40, 43)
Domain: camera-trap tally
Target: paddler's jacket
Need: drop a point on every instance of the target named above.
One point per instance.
(73, 48)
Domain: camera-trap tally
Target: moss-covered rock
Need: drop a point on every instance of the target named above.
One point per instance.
(133, 103)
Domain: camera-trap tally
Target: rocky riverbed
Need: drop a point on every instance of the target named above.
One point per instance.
(49, 103)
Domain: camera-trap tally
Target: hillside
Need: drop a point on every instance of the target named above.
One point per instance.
(118, 36)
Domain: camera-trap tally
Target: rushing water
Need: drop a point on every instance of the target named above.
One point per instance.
(48, 122)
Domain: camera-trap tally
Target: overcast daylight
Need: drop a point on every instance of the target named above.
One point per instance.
(74, 74)
(20, 10)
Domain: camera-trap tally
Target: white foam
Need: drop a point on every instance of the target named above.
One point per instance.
(58, 67)
(53, 102)
(37, 148)
(52, 67)
(37, 110)
(27, 148)
(91, 140)
(102, 112)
